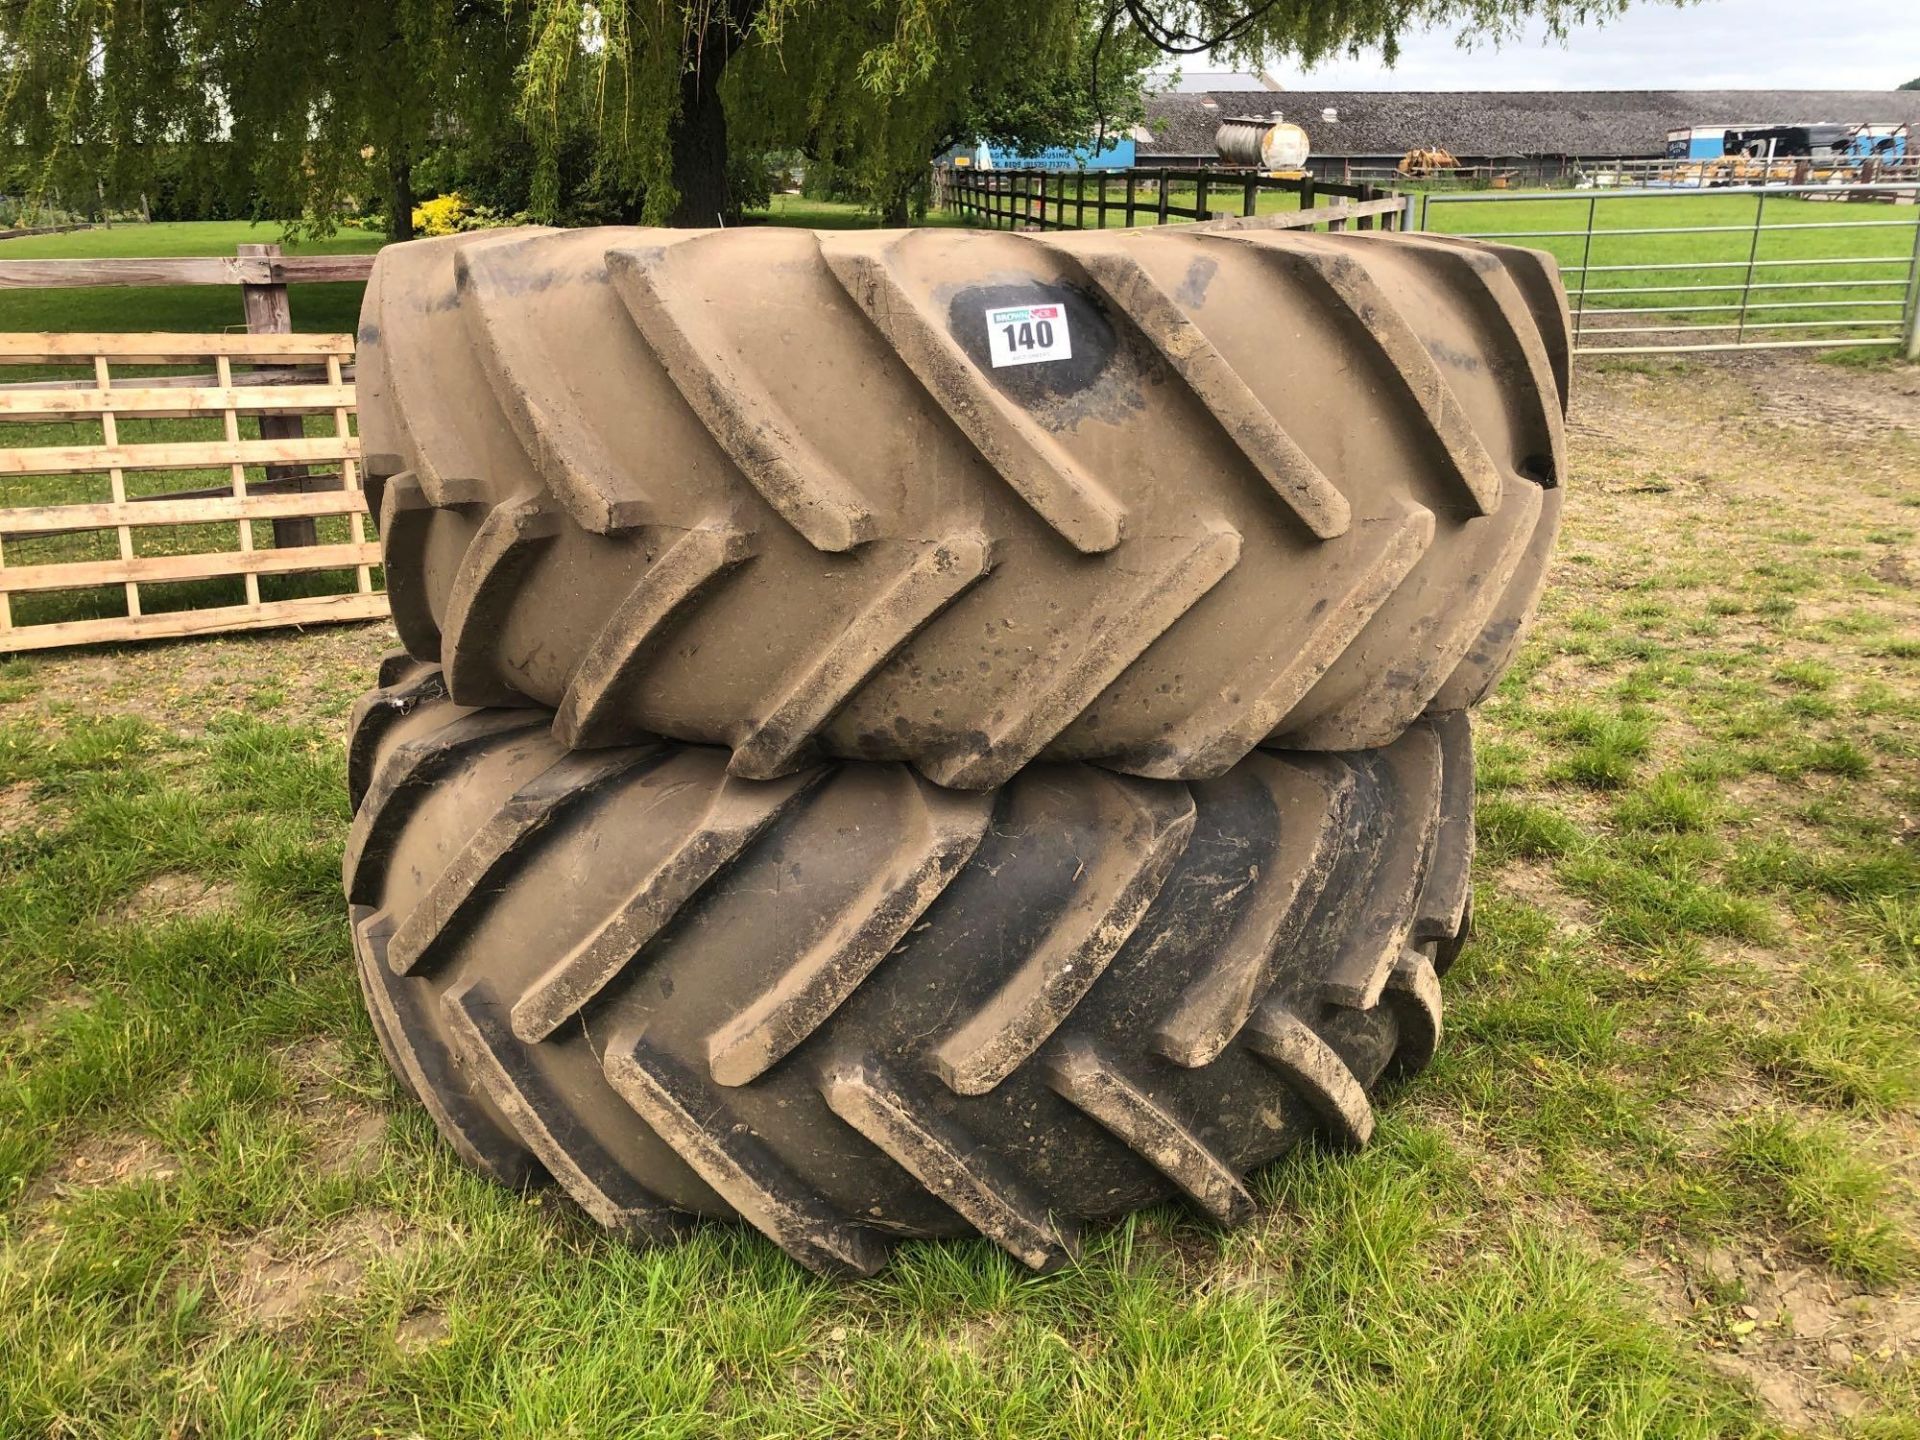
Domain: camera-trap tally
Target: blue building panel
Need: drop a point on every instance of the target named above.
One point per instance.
(1114, 155)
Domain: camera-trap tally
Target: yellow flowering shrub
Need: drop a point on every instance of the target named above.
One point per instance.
(440, 215)
(453, 213)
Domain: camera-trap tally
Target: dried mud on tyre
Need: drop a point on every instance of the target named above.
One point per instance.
(768, 489)
(847, 1006)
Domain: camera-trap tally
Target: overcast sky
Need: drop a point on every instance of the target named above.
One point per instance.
(1714, 45)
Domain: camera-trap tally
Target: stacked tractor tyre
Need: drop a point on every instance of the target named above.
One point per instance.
(934, 732)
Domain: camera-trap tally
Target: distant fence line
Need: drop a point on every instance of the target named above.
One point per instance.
(1751, 300)
(1064, 200)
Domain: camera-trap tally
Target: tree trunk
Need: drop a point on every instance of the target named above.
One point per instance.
(700, 147)
(700, 130)
(399, 196)
(900, 198)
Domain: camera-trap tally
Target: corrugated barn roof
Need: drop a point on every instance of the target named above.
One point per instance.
(1600, 123)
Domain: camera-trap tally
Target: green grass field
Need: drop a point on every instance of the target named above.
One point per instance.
(1864, 254)
(1660, 1183)
(322, 309)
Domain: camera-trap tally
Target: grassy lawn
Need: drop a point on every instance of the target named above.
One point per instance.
(323, 309)
(1880, 238)
(1661, 1182)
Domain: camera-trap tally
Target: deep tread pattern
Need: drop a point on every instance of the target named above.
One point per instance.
(819, 502)
(689, 565)
(928, 583)
(1314, 800)
(608, 486)
(737, 814)
(462, 890)
(540, 1117)
(848, 1005)
(1516, 324)
(582, 475)
(420, 1054)
(1413, 989)
(1067, 677)
(1291, 1046)
(1035, 466)
(1288, 662)
(1143, 829)
(483, 593)
(1537, 273)
(1099, 1087)
(738, 1165)
(1346, 282)
(952, 1164)
(404, 683)
(1447, 892)
(1247, 423)
(406, 525)
(401, 783)
(1353, 712)
(1384, 918)
(939, 833)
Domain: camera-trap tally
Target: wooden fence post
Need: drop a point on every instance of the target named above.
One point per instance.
(269, 313)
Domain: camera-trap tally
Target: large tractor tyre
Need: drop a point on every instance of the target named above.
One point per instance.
(848, 1006)
(768, 489)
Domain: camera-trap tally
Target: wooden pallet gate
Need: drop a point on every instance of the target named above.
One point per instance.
(229, 550)
(285, 454)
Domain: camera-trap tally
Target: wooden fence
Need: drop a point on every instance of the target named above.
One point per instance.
(152, 524)
(1086, 199)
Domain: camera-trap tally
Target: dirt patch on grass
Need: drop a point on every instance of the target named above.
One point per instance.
(277, 1281)
(294, 677)
(100, 1161)
(347, 1136)
(1533, 882)
(173, 896)
(351, 1141)
(63, 1001)
(1797, 1334)
(421, 1331)
(17, 808)
(1808, 394)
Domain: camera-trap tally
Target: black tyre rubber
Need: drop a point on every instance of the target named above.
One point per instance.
(848, 1005)
(765, 489)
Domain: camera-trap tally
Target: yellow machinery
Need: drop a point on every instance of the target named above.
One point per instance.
(1416, 164)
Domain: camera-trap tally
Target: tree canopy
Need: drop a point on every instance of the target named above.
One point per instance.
(304, 109)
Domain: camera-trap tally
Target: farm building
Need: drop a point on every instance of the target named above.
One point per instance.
(1535, 131)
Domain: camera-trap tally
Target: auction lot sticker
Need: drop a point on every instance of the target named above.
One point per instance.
(1026, 334)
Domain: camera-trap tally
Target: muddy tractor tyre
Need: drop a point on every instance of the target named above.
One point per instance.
(848, 1006)
(768, 489)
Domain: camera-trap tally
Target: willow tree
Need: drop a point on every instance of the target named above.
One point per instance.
(288, 108)
(878, 104)
(879, 84)
(302, 104)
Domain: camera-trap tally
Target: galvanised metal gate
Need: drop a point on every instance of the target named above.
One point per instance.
(1660, 271)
